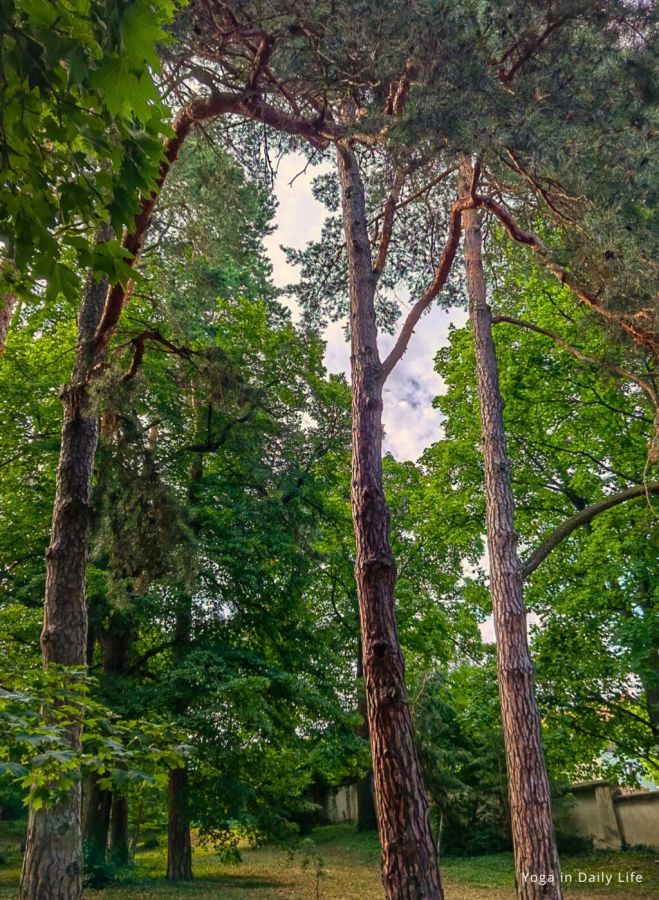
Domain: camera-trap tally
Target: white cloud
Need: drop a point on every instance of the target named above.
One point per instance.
(410, 422)
(487, 627)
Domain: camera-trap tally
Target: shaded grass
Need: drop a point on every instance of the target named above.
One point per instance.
(351, 872)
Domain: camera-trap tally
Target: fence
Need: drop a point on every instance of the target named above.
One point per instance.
(594, 810)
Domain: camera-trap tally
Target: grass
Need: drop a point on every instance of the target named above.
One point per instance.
(350, 872)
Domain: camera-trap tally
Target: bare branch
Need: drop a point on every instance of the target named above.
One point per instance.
(139, 345)
(427, 187)
(199, 110)
(388, 215)
(632, 324)
(441, 274)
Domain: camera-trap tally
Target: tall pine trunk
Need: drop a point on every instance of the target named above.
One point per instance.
(366, 817)
(410, 868)
(52, 866)
(532, 824)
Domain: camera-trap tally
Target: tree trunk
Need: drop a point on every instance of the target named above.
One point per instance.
(533, 835)
(7, 304)
(366, 818)
(52, 866)
(97, 802)
(650, 682)
(119, 855)
(179, 845)
(410, 869)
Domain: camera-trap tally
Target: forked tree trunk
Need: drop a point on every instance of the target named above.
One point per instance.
(118, 850)
(52, 866)
(537, 869)
(410, 868)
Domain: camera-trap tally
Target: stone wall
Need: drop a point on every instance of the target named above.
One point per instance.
(610, 819)
(595, 810)
(638, 817)
(341, 804)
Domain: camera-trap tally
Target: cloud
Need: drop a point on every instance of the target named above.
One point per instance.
(410, 422)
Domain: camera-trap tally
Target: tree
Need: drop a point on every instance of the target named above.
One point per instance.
(53, 854)
(54, 834)
(270, 65)
(233, 578)
(578, 428)
(534, 840)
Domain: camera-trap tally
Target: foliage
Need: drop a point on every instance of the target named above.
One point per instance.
(80, 132)
(461, 745)
(220, 585)
(576, 433)
(38, 714)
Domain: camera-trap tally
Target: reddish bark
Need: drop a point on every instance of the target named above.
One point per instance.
(410, 868)
(537, 869)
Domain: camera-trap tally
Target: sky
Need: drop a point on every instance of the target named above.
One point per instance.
(410, 422)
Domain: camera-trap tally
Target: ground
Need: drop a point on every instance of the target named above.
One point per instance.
(349, 871)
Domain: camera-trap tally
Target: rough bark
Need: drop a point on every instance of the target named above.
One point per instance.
(52, 865)
(118, 848)
(7, 304)
(97, 802)
(366, 817)
(536, 859)
(410, 868)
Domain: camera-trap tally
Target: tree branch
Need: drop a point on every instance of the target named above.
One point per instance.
(139, 345)
(438, 282)
(645, 386)
(199, 110)
(582, 518)
(388, 214)
(629, 323)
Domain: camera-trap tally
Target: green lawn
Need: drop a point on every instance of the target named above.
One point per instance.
(350, 872)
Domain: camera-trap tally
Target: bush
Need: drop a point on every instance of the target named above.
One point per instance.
(12, 808)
